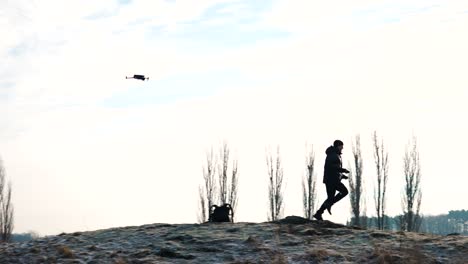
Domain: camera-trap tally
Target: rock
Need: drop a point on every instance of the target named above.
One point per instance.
(170, 253)
(294, 220)
(380, 235)
(233, 230)
(92, 248)
(310, 232)
(35, 250)
(167, 253)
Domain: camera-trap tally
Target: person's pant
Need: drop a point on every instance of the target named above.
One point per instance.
(331, 198)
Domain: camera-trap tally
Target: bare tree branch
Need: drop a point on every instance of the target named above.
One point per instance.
(356, 183)
(6, 208)
(234, 187)
(381, 163)
(411, 200)
(275, 192)
(309, 185)
(220, 181)
(228, 181)
(208, 191)
(202, 217)
(223, 174)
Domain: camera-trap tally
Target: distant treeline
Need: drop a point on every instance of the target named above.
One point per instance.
(455, 221)
(23, 237)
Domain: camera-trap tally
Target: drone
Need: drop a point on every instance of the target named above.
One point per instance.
(138, 77)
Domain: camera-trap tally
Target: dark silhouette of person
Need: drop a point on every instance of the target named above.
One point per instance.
(332, 176)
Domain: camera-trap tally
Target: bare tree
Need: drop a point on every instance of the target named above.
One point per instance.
(208, 190)
(275, 192)
(356, 183)
(411, 200)
(219, 179)
(202, 213)
(228, 181)
(381, 163)
(233, 198)
(309, 183)
(223, 174)
(6, 208)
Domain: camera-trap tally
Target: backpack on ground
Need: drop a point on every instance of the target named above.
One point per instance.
(223, 213)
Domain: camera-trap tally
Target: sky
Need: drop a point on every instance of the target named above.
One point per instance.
(86, 149)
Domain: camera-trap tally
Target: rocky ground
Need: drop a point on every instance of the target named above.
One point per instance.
(291, 240)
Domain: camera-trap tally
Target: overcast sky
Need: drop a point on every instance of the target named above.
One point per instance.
(87, 149)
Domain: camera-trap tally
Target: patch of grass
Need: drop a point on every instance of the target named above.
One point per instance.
(383, 256)
(291, 243)
(92, 248)
(168, 253)
(35, 250)
(254, 241)
(288, 229)
(65, 252)
(406, 253)
(279, 258)
(318, 254)
(208, 249)
(310, 232)
(414, 254)
(171, 253)
(233, 230)
(120, 261)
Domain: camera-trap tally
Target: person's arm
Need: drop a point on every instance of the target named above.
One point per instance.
(335, 164)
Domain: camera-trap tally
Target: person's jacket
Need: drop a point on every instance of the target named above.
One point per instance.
(333, 166)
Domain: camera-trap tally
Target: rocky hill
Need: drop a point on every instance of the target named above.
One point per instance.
(291, 240)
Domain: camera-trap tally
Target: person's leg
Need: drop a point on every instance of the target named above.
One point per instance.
(330, 197)
(343, 191)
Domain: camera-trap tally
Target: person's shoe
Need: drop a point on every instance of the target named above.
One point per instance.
(329, 209)
(318, 216)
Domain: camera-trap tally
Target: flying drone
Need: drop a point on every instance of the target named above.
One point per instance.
(138, 77)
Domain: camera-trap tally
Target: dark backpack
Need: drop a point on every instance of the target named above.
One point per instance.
(222, 213)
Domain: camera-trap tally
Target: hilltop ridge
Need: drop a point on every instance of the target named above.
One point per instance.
(290, 240)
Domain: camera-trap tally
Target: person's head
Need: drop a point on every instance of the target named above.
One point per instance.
(338, 144)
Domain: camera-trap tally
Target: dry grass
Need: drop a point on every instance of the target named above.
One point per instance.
(245, 243)
(414, 254)
(274, 257)
(120, 261)
(65, 251)
(279, 258)
(405, 253)
(254, 241)
(384, 256)
(318, 254)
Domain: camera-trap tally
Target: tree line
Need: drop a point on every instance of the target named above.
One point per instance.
(6, 207)
(455, 221)
(220, 184)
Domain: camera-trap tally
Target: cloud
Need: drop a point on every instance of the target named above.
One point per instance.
(301, 16)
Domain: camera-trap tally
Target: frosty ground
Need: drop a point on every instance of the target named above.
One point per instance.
(290, 240)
